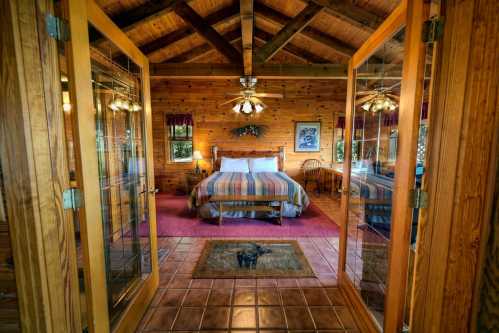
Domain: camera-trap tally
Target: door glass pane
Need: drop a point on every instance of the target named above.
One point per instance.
(117, 93)
(372, 175)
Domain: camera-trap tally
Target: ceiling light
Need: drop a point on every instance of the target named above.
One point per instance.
(248, 107)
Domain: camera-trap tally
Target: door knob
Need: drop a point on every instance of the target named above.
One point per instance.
(153, 190)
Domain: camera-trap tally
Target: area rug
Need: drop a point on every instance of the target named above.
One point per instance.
(252, 258)
(174, 219)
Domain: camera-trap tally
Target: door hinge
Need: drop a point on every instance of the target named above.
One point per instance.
(57, 27)
(419, 198)
(71, 198)
(433, 29)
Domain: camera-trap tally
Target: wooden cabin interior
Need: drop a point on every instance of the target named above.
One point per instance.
(247, 166)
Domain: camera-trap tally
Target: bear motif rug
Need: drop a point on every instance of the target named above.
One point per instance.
(252, 258)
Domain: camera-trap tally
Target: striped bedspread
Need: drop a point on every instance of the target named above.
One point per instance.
(235, 183)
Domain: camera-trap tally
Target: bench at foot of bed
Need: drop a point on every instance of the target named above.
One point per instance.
(262, 204)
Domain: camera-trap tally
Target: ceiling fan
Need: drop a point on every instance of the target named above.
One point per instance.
(378, 99)
(248, 100)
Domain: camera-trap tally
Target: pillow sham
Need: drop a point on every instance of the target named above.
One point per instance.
(234, 165)
(263, 164)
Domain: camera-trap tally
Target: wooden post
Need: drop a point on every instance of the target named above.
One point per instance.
(35, 172)
(462, 159)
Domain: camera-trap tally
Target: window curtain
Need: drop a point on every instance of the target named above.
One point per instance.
(179, 120)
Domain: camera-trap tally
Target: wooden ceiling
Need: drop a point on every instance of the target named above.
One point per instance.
(248, 33)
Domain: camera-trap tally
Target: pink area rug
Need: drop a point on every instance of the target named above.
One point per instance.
(175, 219)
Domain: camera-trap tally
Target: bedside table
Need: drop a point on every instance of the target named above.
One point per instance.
(192, 179)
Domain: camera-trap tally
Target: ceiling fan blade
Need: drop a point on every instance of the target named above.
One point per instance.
(235, 94)
(395, 97)
(269, 95)
(364, 99)
(255, 100)
(366, 92)
(230, 101)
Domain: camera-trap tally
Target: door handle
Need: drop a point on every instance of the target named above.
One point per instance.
(153, 191)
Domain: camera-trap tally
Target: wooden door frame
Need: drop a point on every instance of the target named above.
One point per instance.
(35, 170)
(410, 14)
(80, 14)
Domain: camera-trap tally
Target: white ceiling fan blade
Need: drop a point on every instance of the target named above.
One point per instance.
(231, 100)
(269, 95)
(364, 99)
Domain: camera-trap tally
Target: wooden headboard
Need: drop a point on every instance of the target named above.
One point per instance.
(217, 155)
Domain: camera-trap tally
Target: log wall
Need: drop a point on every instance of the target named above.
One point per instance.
(304, 100)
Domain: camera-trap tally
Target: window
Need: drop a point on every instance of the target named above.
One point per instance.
(180, 138)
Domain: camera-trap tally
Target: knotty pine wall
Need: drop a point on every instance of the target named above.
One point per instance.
(304, 100)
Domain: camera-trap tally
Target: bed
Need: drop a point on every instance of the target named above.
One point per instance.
(247, 184)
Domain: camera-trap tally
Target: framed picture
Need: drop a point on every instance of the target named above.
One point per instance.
(307, 136)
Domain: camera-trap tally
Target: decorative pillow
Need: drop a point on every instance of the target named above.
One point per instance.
(263, 164)
(234, 165)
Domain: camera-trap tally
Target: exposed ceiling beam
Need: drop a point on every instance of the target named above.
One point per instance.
(275, 17)
(199, 51)
(247, 22)
(358, 17)
(234, 36)
(290, 48)
(351, 14)
(207, 32)
(223, 15)
(232, 71)
(143, 14)
(300, 21)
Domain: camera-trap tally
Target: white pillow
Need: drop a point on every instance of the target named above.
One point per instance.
(263, 164)
(234, 165)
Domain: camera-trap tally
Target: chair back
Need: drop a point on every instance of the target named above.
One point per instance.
(311, 168)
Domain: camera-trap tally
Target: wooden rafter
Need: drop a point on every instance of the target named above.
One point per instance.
(221, 16)
(232, 71)
(145, 13)
(351, 14)
(292, 49)
(247, 22)
(201, 50)
(278, 18)
(293, 27)
(234, 36)
(357, 17)
(190, 16)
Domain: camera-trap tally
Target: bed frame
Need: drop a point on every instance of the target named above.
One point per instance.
(261, 203)
(217, 154)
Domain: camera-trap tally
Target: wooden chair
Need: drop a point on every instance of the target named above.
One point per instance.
(312, 173)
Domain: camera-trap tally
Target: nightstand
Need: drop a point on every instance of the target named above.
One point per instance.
(192, 179)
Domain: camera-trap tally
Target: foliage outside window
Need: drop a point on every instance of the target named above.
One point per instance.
(181, 143)
(340, 151)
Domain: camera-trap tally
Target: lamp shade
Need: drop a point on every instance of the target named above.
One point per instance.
(196, 156)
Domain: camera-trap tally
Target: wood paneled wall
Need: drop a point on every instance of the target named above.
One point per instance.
(304, 100)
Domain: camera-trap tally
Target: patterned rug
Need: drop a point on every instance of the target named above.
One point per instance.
(252, 258)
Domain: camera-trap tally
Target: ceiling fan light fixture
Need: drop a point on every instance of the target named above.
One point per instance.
(247, 108)
(259, 107)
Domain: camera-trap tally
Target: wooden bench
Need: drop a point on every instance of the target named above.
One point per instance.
(259, 206)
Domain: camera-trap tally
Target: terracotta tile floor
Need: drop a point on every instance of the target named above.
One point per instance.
(282, 305)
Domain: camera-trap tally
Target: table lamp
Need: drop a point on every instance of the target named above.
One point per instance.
(196, 156)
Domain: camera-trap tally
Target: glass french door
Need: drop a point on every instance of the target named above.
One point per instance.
(120, 127)
(110, 125)
(386, 126)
